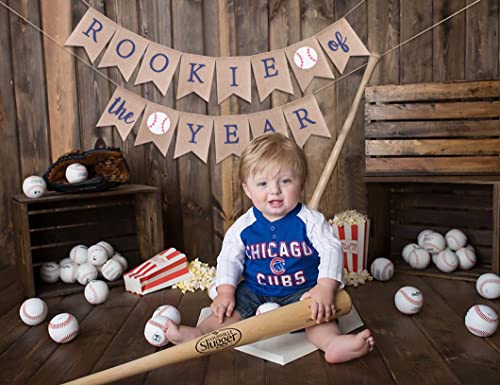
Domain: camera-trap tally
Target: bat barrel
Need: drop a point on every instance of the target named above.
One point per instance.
(283, 320)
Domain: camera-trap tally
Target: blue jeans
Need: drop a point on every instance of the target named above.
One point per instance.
(247, 301)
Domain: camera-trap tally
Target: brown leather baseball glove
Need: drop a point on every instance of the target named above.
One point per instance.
(106, 168)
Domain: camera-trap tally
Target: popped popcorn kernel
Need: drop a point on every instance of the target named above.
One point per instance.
(199, 279)
(356, 279)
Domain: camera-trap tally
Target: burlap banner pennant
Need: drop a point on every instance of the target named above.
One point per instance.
(124, 51)
(271, 73)
(157, 126)
(122, 111)
(92, 33)
(158, 65)
(308, 61)
(232, 134)
(340, 42)
(268, 121)
(305, 119)
(234, 77)
(195, 75)
(193, 134)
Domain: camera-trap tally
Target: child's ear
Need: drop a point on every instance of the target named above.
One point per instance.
(247, 191)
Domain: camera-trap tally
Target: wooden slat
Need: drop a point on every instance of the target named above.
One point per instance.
(473, 204)
(421, 111)
(462, 351)
(433, 91)
(61, 79)
(437, 165)
(35, 347)
(10, 168)
(442, 217)
(409, 355)
(94, 337)
(432, 129)
(416, 55)
(448, 56)
(408, 147)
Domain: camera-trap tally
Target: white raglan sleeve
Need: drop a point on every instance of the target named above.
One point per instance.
(231, 259)
(329, 248)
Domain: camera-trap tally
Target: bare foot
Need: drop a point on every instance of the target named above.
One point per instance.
(177, 334)
(347, 347)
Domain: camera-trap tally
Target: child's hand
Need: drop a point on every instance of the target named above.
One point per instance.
(323, 296)
(223, 304)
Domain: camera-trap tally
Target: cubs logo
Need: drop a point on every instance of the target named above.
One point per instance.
(277, 265)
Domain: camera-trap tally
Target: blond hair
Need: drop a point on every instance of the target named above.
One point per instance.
(272, 151)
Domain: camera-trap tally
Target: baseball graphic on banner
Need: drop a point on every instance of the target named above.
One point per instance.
(305, 58)
(158, 123)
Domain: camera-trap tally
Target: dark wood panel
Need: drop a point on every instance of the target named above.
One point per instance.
(409, 147)
(432, 129)
(434, 165)
(408, 354)
(433, 91)
(428, 111)
(474, 204)
(443, 217)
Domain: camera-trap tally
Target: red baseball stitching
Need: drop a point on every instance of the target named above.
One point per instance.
(478, 331)
(154, 121)
(409, 299)
(308, 51)
(163, 123)
(94, 293)
(61, 324)
(446, 261)
(33, 317)
(483, 316)
(301, 60)
(387, 266)
(68, 336)
(454, 238)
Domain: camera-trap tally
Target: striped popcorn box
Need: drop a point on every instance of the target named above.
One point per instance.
(354, 240)
(161, 271)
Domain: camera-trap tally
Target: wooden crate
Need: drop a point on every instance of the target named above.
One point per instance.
(128, 217)
(433, 129)
(400, 210)
(433, 161)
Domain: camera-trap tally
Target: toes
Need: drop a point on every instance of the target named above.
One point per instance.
(365, 333)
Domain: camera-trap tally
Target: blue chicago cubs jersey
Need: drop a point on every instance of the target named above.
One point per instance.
(277, 258)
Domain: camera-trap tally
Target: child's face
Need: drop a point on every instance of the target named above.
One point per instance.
(273, 193)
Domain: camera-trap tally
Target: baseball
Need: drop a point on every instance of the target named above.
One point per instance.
(168, 311)
(121, 260)
(96, 292)
(434, 242)
(65, 261)
(63, 328)
(49, 272)
(407, 249)
(408, 300)
(34, 187)
(68, 272)
(76, 173)
(447, 261)
(421, 235)
(33, 311)
(382, 269)
(481, 320)
(455, 239)
(466, 257)
(155, 331)
(266, 306)
(111, 270)
(434, 257)
(488, 285)
(158, 123)
(109, 249)
(97, 255)
(419, 258)
(305, 57)
(78, 254)
(86, 273)
(212, 290)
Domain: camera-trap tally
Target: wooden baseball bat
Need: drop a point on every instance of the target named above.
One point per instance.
(273, 323)
(339, 144)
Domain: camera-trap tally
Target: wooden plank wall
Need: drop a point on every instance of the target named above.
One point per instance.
(199, 200)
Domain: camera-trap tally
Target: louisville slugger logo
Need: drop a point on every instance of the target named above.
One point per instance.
(218, 340)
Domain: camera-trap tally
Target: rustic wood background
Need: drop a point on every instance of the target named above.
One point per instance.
(50, 102)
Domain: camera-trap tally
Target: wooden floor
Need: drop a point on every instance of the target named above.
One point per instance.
(432, 347)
